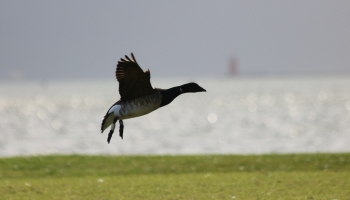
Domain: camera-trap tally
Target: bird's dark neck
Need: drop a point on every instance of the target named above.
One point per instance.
(169, 95)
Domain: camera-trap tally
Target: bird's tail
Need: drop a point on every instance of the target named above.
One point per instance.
(107, 121)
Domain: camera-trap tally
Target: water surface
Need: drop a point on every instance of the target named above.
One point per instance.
(248, 115)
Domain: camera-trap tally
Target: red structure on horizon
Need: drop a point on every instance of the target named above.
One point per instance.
(233, 66)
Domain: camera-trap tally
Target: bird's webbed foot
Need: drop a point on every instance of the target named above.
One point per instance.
(121, 128)
(110, 134)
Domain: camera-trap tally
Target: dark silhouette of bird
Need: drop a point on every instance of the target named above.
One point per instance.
(137, 96)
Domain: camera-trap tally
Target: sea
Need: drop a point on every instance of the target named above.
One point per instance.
(237, 115)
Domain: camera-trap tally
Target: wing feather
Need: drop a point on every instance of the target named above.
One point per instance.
(133, 81)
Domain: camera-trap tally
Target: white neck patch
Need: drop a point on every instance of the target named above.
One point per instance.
(180, 90)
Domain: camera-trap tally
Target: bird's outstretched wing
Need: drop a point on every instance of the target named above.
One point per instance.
(133, 81)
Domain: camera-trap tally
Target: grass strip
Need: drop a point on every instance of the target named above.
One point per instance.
(292, 176)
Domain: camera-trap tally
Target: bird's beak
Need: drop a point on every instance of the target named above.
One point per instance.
(202, 90)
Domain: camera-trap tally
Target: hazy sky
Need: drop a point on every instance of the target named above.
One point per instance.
(85, 39)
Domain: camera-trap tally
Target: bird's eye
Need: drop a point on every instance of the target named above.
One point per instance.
(180, 90)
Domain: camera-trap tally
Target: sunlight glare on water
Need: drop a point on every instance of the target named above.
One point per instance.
(238, 115)
(212, 117)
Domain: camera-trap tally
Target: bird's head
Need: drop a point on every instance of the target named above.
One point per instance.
(191, 87)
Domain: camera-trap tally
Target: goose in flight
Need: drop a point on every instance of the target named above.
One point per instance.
(138, 97)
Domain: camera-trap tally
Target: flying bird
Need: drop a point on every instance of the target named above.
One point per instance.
(137, 96)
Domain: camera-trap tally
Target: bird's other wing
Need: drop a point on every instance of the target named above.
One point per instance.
(133, 81)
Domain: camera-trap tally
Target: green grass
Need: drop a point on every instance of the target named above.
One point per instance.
(299, 176)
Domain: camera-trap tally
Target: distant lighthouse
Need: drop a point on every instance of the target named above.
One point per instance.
(233, 66)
